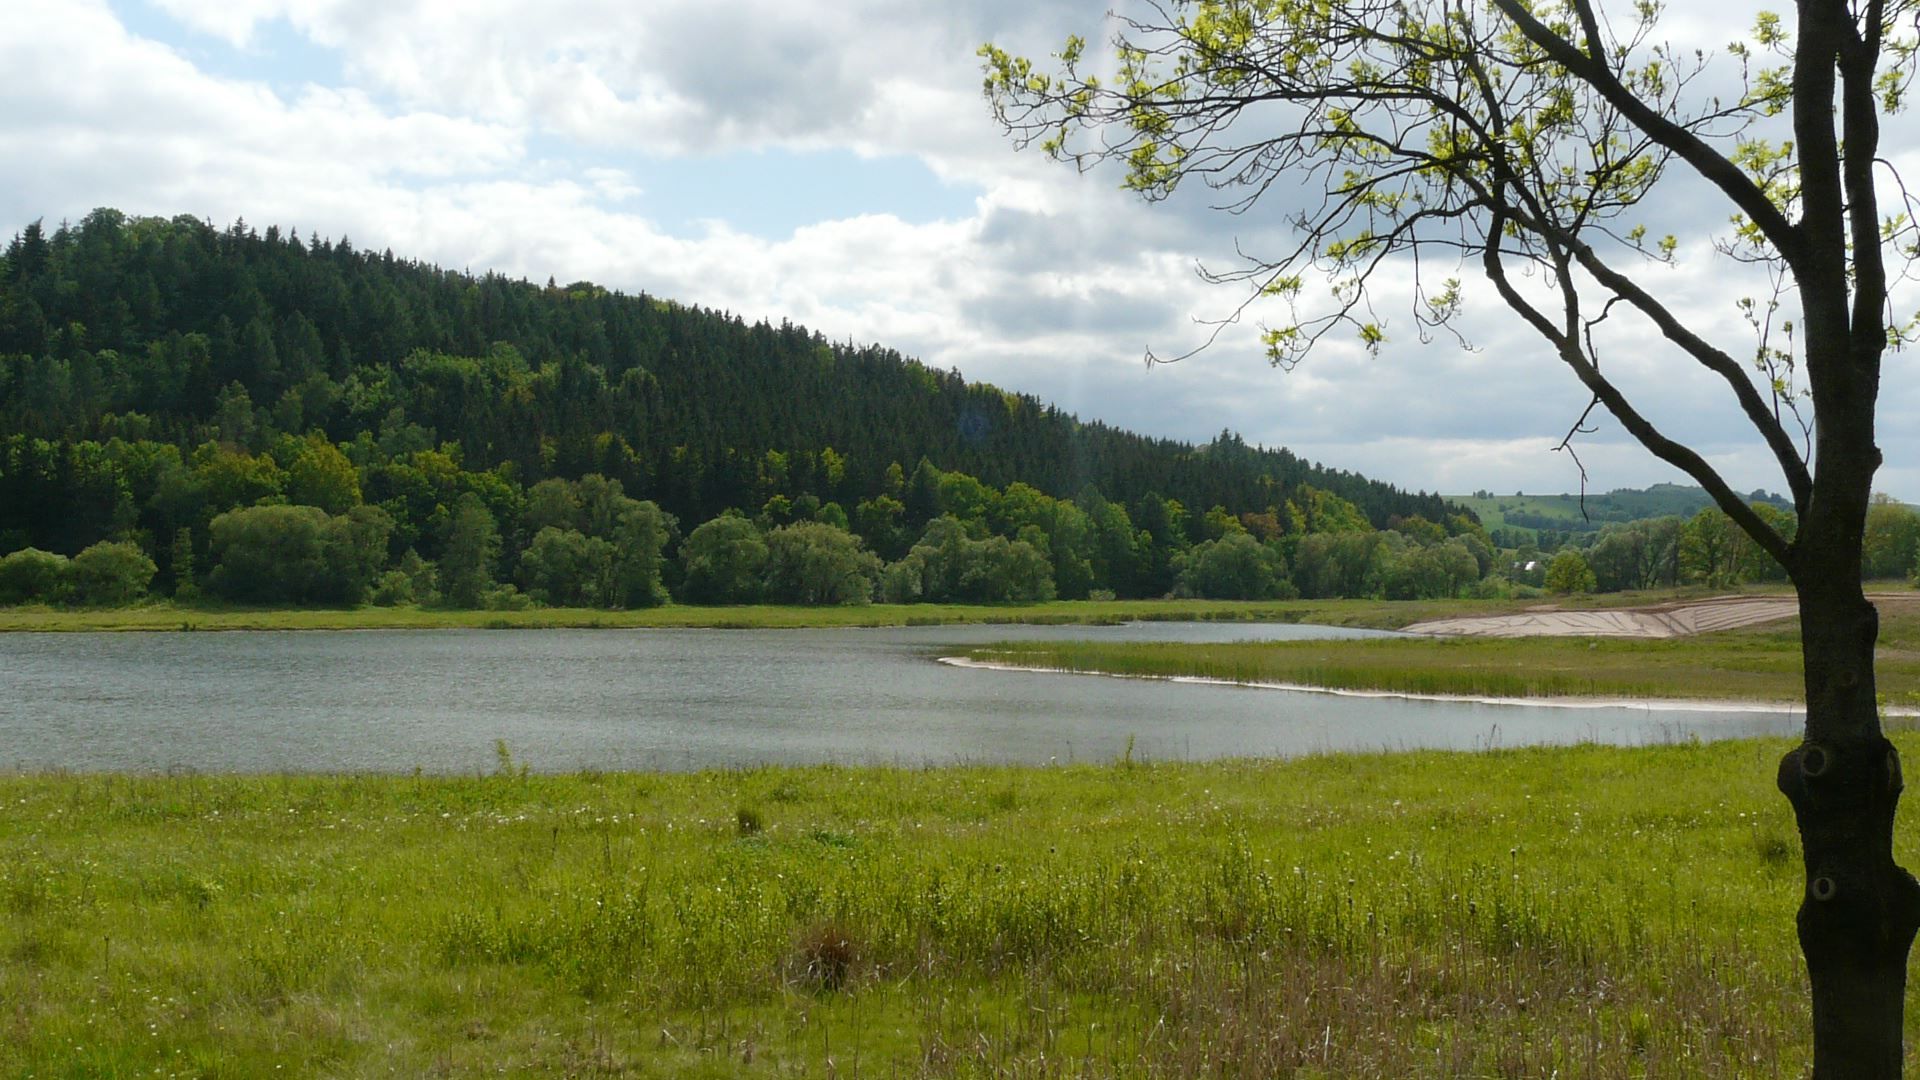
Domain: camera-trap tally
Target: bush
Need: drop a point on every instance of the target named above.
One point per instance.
(1234, 567)
(725, 562)
(1569, 573)
(816, 563)
(111, 574)
(566, 568)
(32, 576)
(505, 598)
(393, 588)
(1493, 587)
(298, 554)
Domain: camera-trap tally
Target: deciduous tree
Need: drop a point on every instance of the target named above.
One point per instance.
(1523, 138)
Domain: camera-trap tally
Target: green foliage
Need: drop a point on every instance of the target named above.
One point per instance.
(322, 476)
(1708, 549)
(1434, 572)
(948, 565)
(1638, 555)
(567, 568)
(1569, 573)
(811, 562)
(180, 565)
(723, 562)
(595, 546)
(1328, 564)
(1419, 530)
(1234, 567)
(393, 588)
(333, 377)
(1312, 510)
(1891, 546)
(110, 574)
(298, 554)
(639, 535)
(32, 576)
(268, 554)
(468, 556)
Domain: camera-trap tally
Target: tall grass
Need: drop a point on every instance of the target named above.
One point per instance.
(1581, 911)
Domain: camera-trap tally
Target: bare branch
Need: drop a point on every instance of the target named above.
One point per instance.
(1680, 456)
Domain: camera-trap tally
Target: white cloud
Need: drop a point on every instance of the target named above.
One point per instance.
(454, 136)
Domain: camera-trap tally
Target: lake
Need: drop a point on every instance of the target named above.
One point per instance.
(562, 700)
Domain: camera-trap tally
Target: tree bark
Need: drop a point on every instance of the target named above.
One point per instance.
(1859, 910)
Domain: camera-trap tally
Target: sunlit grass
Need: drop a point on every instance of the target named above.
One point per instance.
(1588, 911)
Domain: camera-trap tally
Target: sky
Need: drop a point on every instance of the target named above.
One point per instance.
(836, 165)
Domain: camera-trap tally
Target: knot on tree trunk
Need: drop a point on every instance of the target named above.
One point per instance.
(1859, 910)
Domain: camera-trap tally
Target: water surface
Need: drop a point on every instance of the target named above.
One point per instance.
(437, 700)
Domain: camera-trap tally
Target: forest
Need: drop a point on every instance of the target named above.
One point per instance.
(253, 417)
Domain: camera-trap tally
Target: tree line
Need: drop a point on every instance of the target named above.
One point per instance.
(155, 333)
(192, 411)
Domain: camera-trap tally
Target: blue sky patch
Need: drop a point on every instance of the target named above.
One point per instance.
(771, 192)
(277, 56)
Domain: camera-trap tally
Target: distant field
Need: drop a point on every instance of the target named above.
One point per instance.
(1573, 912)
(1571, 513)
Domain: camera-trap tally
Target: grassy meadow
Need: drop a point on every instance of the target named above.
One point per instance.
(1753, 664)
(1571, 912)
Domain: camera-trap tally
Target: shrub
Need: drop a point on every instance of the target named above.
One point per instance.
(31, 575)
(505, 598)
(1569, 573)
(111, 574)
(393, 588)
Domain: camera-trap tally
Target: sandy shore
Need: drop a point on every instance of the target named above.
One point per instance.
(1643, 704)
(1679, 619)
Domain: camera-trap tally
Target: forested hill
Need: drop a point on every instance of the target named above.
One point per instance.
(179, 332)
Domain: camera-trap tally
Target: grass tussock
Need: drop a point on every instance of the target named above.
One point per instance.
(1576, 912)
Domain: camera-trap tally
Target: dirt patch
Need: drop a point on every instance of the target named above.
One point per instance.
(1678, 619)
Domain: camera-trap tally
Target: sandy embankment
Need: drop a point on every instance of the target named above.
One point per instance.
(1657, 621)
(1644, 704)
(1679, 619)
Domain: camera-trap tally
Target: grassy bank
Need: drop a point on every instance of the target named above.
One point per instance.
(1579, 911)
(1376, 614)
(1755, 664)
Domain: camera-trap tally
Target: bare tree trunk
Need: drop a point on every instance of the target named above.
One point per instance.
(1860, 910)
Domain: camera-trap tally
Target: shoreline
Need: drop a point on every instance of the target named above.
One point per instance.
(1707, 705)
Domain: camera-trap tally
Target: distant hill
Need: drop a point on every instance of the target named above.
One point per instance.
(136, 349)
(1573, 513)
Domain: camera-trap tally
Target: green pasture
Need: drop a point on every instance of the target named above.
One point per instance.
(1573, 912)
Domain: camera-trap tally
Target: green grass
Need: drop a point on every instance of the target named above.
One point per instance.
(169, 616)
(1573, 912)
(1377, 614)
(1755, 664)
